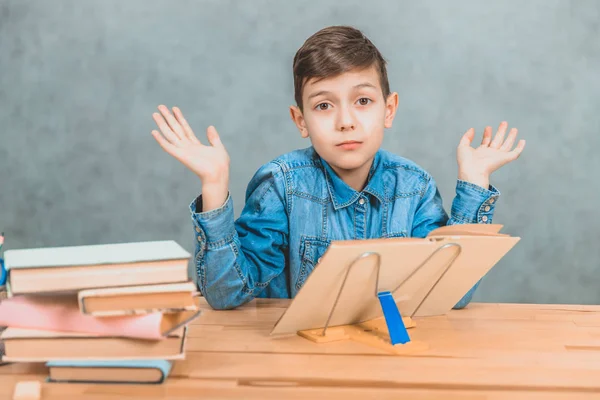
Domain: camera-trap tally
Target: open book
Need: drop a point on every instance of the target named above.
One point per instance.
(427, 276)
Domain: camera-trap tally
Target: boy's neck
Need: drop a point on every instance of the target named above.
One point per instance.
(355, 178)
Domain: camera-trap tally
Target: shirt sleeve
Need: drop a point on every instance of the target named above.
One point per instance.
(236, 260)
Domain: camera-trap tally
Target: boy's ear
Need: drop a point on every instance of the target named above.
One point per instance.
(298, 119)
(391, 105)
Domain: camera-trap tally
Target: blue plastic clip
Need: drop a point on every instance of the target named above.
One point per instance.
(393, 319)
(2, 273)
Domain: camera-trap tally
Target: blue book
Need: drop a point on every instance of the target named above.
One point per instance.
(120, 371)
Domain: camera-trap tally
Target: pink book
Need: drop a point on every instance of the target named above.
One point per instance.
(61, 313)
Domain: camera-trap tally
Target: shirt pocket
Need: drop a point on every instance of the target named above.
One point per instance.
(311, 251)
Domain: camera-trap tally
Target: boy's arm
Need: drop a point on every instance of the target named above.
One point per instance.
(475, 198)
(235, 261)
(472, 204)
(233, 266)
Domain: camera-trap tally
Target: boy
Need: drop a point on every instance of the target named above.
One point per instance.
(342, 187)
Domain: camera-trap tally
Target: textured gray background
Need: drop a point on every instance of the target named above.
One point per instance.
(79, 81)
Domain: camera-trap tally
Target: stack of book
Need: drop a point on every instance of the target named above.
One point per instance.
(100, 313)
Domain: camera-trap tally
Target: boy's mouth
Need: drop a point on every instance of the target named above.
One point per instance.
(349, 144)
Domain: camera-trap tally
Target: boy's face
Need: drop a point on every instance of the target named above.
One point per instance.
(345, 117)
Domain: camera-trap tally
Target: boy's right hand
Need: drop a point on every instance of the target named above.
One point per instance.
(210, 163)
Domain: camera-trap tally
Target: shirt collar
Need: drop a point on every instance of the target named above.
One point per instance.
(343, 195)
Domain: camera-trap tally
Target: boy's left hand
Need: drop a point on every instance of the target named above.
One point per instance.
(475, 165)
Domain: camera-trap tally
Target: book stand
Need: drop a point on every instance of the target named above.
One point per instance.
(388, 333)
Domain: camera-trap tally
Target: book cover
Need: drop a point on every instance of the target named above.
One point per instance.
(109, 371)
(100, 254)
(61, 313)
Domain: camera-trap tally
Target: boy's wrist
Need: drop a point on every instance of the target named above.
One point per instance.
(218, 176)
(214, 195)
(482, 180)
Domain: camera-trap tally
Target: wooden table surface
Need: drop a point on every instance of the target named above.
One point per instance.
(486, 351)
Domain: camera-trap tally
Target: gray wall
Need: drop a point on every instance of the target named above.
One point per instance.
(80, 79)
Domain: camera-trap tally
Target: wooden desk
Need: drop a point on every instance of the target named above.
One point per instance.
(487, 351)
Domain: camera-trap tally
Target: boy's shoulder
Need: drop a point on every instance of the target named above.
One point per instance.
(401, 165)
(300, 158)
(275, 170)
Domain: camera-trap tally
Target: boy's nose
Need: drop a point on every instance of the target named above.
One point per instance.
(346, 121)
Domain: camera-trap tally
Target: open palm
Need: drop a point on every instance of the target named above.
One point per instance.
(491, 154)
(209, 162)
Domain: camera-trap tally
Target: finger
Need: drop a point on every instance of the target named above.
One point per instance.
(499, 138)
(213, 137)
(516, 152)
(164, 143)
(467, 138)
(510, 140)
(165, 129)
(519, 149)
(487, 136)
(173, 124)
(187, 130)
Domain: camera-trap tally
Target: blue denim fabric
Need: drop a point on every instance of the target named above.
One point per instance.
(296, 205)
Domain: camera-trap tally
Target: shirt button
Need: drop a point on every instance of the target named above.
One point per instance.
(319, 260)
(361, 201)
(487, 208)
(492, 200)
(197, 229)
(199, 239)
(484, 218)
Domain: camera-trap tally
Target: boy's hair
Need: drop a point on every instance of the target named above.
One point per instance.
(333, 51)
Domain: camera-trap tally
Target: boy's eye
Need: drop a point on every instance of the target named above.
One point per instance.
(322, 106)
(364, 101)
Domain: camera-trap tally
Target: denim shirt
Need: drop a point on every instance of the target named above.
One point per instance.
(296, 205)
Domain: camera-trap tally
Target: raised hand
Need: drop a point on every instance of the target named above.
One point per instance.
(475, 165)
(209, 162)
